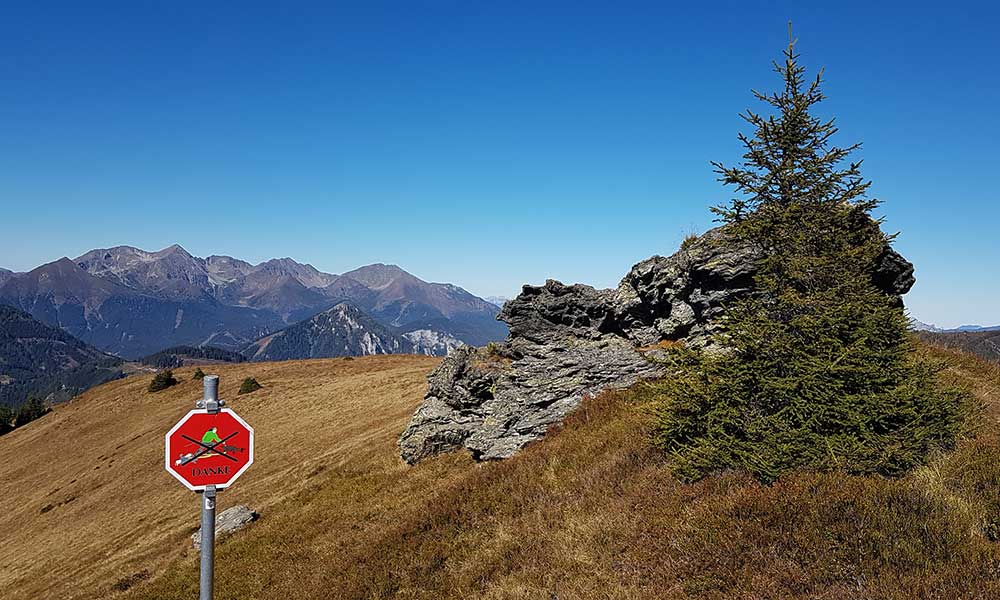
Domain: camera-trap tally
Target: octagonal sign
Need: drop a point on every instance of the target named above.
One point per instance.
(206, 449)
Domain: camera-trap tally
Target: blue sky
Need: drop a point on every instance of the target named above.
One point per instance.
(485, 144)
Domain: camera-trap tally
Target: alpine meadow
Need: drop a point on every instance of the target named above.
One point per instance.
(438, 302)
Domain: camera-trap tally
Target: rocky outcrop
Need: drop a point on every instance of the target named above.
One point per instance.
(228, 521)
(569, 341)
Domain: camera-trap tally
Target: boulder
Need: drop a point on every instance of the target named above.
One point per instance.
(570, 341)
(230, 520)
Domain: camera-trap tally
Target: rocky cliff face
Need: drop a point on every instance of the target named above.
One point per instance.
(569, 341)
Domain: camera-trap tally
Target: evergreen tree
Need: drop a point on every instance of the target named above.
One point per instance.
(249, 385)
(162, 381)
(198, 374)
(6, 419)
(30, 410)
(817, 368)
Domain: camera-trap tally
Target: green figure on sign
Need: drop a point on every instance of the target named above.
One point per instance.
(211, 436)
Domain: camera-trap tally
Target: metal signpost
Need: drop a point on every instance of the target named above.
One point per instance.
(206, 451)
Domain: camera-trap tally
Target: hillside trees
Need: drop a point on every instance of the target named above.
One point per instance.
(30, 410)
(162, 381)
(6, 419)
(817, 369)
(11, 419)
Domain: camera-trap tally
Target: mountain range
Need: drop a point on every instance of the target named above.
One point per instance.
(131, 302)
(47, 361)
(930, 327)
(343, 330)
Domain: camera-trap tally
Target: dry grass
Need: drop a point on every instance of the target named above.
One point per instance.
(662, 345)
(86, 503)
(590, 512)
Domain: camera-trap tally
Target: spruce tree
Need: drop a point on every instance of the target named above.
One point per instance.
(249, 385)
(816, 368)
(30, 410)
(6, 419)
(162, 380)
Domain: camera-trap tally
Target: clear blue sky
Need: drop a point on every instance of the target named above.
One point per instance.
(486, 144)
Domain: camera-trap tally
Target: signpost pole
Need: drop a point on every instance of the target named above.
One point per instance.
(210, 401)
(207, 450)
(207, 542)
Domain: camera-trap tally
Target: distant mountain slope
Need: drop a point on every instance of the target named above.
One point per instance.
(497, 300)
(343, 330)
(171, 273)
(404, 301)
(178, 356)
(132, 302)
(976, 328)
(916, 325)
(983, 343)
(5, 274)
(130, 322)
(47, 361)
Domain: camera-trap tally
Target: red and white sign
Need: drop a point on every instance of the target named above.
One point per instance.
(206, 449)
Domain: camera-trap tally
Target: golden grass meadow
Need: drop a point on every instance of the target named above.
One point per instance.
(589, 512)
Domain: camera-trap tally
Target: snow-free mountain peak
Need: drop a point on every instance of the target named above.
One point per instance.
(344, 330)
(378, 276)
(133, 302)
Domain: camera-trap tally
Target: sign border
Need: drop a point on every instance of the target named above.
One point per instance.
(166, 450)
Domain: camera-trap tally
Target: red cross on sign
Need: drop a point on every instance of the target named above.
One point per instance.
(206, 449)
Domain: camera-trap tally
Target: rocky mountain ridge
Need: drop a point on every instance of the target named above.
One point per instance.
(569, 341)
(344, 330)
(916, 325)
(132, 302)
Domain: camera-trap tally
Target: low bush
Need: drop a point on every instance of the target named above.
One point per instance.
(162, 381)
(249, 385)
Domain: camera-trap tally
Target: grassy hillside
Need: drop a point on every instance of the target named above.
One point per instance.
(985, 344)
(86, 501)
(590, 512)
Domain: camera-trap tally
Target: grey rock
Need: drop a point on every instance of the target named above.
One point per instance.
(570, 341)
(230, 520)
